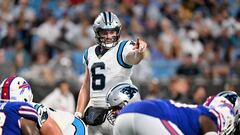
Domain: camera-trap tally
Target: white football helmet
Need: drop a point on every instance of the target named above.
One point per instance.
(107, 21)
(122, 93)
(233, 98)
(16, 89)
(119, 96)
(224, 111)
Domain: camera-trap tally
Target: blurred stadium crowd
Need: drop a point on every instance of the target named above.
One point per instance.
(194, 45)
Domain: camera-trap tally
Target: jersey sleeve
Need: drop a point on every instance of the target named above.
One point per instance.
(42, 112)
(124, 48)
(28, 112)
(208, 101)
(85, 57)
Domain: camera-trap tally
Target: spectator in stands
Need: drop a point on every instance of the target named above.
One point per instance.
(188, 68)
(199, 94)
(203, 66)
(9, 39)
(168, 40)
(235, 38)
(5, 11)
(61, 98)
(50, 33)
(192, 45)
(178, 89)
(81, 34)
(154, 90)
(220, 69)
(230, 86)
(40, 71)
(6, 66)
(62, 65)
(235, 68)
(21, 57)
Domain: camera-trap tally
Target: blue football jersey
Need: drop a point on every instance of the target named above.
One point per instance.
(11, 113)
(185, 116)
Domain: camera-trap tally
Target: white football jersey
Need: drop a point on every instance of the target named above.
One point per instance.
(107, 71)
(67, 122)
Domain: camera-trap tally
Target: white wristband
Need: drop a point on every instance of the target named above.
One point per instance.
(78, 114)
(211, 133)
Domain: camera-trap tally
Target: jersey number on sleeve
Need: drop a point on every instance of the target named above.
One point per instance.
(98, 79)
(2, 121)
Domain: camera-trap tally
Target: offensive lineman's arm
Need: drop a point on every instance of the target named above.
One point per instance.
(137, 52)
(50, 127)
(208, 127)
(83, 97)
(28, 127)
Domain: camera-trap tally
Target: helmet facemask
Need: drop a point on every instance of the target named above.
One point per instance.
(114, 110)
(225, 114)
(232, 97)
(105, 41)
(229, 124)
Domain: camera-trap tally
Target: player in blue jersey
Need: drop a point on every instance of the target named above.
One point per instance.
(157, 117)
(17, 89)
(50, 121)
(17, 118)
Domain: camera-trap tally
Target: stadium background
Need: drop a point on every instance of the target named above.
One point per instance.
(193, 52)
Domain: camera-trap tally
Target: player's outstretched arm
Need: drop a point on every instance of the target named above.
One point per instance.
(208, 127)
(83, 97)
(28, 127)
(50, 127)
(137, 53)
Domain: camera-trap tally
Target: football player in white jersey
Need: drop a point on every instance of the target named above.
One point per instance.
(50, 121)
(108, 63)
(67, 122)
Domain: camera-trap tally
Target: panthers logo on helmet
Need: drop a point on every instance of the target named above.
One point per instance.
(130, 91)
